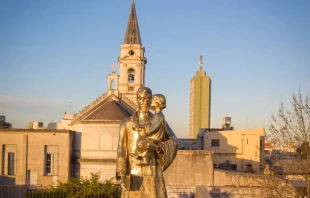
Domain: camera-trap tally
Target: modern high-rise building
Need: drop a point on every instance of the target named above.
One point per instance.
(200, 101)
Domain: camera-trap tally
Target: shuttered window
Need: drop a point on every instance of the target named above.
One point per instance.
(51, 160)
(9, 159)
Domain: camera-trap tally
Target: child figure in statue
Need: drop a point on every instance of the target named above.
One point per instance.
(155, 131)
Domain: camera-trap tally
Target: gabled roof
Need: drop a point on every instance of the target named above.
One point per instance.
(132, 35)
(106, 108)
(111, 110)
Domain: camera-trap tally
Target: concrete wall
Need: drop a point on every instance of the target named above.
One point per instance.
(190, 144)
(190, 168)
(202, 192)
(238, 184)
(30, 154)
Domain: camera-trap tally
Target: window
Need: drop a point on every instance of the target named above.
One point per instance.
(40, 124)
(215, 142)
(51, 160)
(9, 160)
(131, 75)
(32, 179)
(112, 84)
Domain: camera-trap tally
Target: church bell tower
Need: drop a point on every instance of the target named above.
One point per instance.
(131, 60)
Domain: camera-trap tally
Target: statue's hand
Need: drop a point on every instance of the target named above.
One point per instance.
(134, 128)
(138, 127)
(142, 145)
(153, 146)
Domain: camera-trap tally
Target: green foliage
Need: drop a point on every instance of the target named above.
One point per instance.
(80, 187)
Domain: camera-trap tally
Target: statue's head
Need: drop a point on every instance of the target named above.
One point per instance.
(158, 102)
(144, 98)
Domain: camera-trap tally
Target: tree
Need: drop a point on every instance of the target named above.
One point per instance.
(256, 185)
(290, 128)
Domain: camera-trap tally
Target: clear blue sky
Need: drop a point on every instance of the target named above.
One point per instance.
(257, 53)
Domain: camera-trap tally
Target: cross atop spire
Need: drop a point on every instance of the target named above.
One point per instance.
(113, 66)
(132, 35)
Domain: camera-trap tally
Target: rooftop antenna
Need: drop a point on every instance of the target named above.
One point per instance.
(201, 62)
(70, 108)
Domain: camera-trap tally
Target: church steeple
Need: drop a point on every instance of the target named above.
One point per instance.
(132, 35)
(131, 60)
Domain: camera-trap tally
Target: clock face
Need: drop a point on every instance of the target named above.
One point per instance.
(131, 52)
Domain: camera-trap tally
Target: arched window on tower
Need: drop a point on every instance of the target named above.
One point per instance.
(131, 75)
(112, 85)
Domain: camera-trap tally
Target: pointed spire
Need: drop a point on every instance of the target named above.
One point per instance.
(132, 35)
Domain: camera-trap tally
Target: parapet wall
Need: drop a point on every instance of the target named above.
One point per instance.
(190, 168)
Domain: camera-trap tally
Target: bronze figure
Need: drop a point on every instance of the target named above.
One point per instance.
(146, 147)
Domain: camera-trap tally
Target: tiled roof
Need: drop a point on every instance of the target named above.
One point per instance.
(110, 110)
(89, 107)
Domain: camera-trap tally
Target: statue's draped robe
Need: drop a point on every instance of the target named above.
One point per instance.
(145, 181)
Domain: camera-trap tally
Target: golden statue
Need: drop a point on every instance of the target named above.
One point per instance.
(146, 148)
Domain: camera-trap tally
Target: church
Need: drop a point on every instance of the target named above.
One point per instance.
(85, 142)
(96, 127)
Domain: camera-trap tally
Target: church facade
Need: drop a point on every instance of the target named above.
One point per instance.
(96, 127)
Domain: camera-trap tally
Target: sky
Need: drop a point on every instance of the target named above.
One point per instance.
(56, 53)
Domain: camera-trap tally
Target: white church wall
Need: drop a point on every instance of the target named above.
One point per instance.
(95, 146)
(93, 136)
(107, 171)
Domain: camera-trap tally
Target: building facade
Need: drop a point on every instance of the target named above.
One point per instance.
(3, 123)
(35, 125)
(35, 157)
(65, 123)
(242, 148)
(200, 101)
